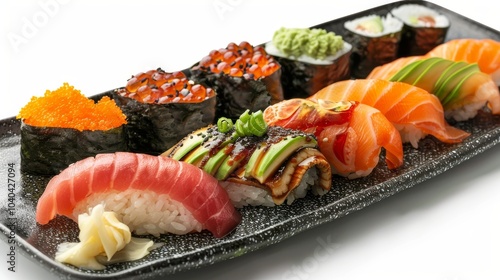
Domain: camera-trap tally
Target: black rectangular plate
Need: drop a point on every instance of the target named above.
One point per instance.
(261, 226)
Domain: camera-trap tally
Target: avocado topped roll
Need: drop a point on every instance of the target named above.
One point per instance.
(257, 164)
(311, 59)
(163, 107)
(64, 126)
(375, 41)
(244, 77)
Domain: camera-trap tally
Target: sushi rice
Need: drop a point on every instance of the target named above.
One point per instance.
(410, 13)
(245, 195)
(390, 25)
(145, 212)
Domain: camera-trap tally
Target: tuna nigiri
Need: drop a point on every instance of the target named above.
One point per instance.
(350, 135)
(412, 110)
(484, 52)
(151, 194)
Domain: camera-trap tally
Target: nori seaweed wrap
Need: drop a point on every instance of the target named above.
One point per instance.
(423, 29)
(244, 77)
(64, 126)
(310, 59)
(375, 41)
(162, 108)
(48, 150)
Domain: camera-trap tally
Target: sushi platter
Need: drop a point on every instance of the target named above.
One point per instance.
(260, 226)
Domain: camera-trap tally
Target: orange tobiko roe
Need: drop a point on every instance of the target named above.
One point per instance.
(67, 107)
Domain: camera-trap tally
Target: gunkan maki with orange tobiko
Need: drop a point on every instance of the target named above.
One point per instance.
(162, 107)
(64, 126)
(244, 77)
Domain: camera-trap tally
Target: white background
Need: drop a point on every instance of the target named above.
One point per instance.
(447, 228)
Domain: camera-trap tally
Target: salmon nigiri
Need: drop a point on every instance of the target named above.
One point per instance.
(484, 52)
(412, 110)
(151, 194)
(350, 135)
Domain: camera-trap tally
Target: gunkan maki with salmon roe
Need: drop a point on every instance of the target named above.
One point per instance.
(162, 107)
(244, 76)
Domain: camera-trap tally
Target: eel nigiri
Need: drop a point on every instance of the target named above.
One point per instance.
(150, 194)
(412, 110)
(257, 164)
(461, 87)
(484, 52)
(351, 135)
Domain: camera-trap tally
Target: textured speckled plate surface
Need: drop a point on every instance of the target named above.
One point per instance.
(261, 226)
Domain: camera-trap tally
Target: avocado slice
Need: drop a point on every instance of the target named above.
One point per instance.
(405, 71)
(266, 160)
(228, 166)
(372, 25)
(190, 142)
(455, 81)
(422, 73)
(216, 160)
(414, 71)
(255, 158)
(240, 153)
(196, 155)
(450, 78)
(429, 76)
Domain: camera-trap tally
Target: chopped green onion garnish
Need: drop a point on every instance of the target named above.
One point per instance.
(224, 124)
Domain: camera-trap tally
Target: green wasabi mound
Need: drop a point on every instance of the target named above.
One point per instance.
(316, 43)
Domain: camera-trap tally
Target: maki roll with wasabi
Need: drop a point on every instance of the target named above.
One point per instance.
(244, 77)
(375, 41)
(257, 164)
(310, 59)
(424, 29)
(63, 126)
(163, 107)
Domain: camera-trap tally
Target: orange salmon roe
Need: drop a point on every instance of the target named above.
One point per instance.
(67, 107)
(240, 60)
(160, 87)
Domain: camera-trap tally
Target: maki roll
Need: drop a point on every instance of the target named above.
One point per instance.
(161, 108)
(375, 41)
(257, 164)
(63, 126)
(424, 29)
(244, 77)
(310, 59)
